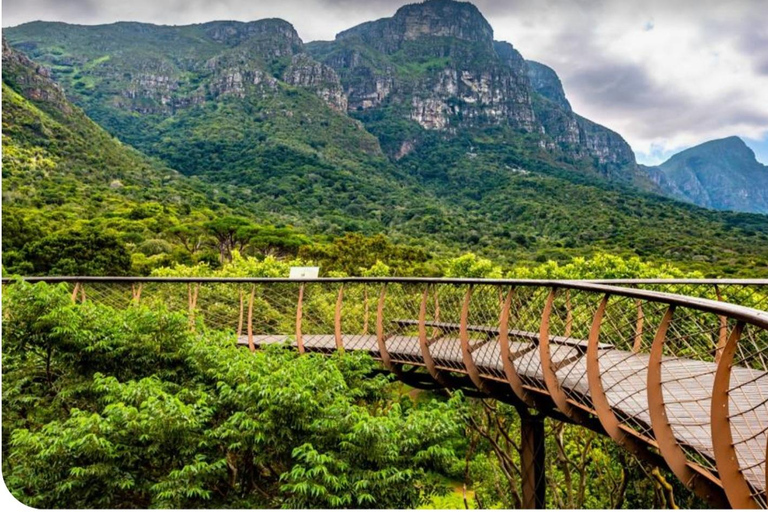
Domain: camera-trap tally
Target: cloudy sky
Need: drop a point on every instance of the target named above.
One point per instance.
(666, 74)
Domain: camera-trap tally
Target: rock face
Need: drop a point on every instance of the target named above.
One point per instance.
(433, 18)
(545, 81)
(721, 174)
(158, 70)
(319, 78)
(436, 63)
(31, 79)
(432, 66)
(571, 132)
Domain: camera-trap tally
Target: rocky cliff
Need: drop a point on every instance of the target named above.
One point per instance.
(436, 63)
(432, 66)
(720, 174)
(32, 80)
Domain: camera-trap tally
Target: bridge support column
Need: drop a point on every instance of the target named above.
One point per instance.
(532, 460)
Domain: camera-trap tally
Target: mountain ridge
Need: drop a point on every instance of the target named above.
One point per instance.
(722, 174)
(282, 153)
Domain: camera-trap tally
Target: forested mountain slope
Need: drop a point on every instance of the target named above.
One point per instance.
(288, 133)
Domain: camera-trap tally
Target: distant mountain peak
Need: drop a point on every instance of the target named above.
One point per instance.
(722, 174)
(433, 18)
(729, 149)
(233, 33)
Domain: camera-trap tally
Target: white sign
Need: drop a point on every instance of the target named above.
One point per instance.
(304, 272)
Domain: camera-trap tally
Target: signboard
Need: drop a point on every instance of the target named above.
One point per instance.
(304, 272)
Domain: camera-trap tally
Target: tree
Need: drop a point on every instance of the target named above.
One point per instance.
(78, 253)
(230, 233)
(106, 408)
(190, 236)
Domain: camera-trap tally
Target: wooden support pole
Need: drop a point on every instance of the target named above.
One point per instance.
(638, 344)
(723, 334)
(299, 315)
(251, 346)
(532, 454)
(365, 319)
(74, 292)
(241, 315)
(337, 320)
(136, 292)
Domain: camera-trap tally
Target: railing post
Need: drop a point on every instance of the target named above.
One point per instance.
(532, 458)
(722, 338)
(638, 343)
(506, 357)
(466, 354)
(299, 315)
(241, 314)
(424, 343)
(602, 406)
(691, 475)
(548, 369)
(251, 345)
(380, 340)
(337, 320)
(736, 487)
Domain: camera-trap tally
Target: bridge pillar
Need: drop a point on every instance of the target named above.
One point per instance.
(532, 460)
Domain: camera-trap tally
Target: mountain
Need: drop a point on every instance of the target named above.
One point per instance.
(720, 174)
(420, 126)
(437, 65)
(239, 105)
(62, 171)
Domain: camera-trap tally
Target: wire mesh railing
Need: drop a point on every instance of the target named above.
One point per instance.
(670, 368)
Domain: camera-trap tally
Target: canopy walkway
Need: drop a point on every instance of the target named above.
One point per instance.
(675, 371)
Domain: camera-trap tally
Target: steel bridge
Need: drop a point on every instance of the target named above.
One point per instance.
(674, 371)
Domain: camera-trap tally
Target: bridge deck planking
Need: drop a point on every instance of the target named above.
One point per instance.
(687, 383)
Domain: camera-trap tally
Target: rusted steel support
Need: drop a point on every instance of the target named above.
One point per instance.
(548, 368)
(532, 455)
(736, 487)
(509, 368)
(192, 302)
(435, 330)
(722, 337)
(466, 350)
(568, 314)
(241, 314)
(251, 345)
(423, 343)
(638, 344)
(299, 313)
(136, 292)
(337, 320)
(605, 413)
(693, 476)
(380, 340)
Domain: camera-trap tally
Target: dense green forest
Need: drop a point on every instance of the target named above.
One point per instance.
(115, 407)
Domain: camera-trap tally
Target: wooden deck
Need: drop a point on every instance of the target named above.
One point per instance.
(687, 384)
